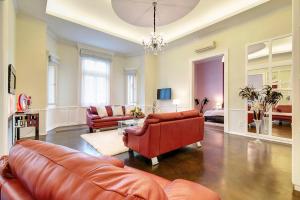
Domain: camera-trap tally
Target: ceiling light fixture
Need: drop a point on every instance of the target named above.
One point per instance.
(156, 42)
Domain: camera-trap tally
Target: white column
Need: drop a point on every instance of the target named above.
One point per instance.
(296, 96)
(3, 76)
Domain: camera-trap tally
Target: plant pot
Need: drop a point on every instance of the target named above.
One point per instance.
(265, 127)
(257, 126)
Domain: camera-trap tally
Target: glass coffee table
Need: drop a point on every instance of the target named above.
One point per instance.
(127, 123)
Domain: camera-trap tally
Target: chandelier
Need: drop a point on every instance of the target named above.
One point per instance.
(156, 42)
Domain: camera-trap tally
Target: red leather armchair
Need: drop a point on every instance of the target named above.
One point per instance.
(38, 170)
(165, 132)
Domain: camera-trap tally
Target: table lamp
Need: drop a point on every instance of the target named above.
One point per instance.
(176, 102)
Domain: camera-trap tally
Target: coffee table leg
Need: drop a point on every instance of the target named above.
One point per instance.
(120, 128)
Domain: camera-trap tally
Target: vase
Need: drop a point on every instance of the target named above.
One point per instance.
(265, 128)
(257, 126)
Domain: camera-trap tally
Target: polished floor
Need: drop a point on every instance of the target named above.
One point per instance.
(233, 166)
(283, 130)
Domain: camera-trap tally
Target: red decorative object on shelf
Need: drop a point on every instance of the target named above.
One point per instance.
(24, 103)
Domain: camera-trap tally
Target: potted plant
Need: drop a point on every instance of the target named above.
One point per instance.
(204, 101)
(260, 102)
(137, 112)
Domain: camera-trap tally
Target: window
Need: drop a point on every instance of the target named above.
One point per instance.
(131, 84)
(95, 81)
(51, 85)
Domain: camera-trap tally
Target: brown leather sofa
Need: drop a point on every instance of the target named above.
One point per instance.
(39, 170)
(165, 132)
(94, 121)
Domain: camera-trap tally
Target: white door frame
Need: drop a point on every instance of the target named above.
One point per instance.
(207, 55)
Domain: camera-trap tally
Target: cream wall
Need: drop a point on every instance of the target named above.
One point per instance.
(7, 56)
(174, 64)
(117, 81)
(68, 110)
(68, 72)
(137, 63)
(52, 46)
(31, 60)
(150, 79)
(67, 75)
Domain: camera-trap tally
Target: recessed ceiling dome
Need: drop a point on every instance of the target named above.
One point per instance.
(140, 12)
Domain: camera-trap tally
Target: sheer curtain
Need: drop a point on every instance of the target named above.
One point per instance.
(131, 83)
(51, 85)
(95, 81)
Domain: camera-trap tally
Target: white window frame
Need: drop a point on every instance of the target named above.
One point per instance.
(108, 62)
(134, 89)
(55, 84)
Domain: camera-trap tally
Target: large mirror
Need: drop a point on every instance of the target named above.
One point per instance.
(282, 82)
(258, 55)
(270, 63)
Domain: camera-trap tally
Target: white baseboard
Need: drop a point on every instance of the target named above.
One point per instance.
(297, 188)
(263, 137)
(64, 124)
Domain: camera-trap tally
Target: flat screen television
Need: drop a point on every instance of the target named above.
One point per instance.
(164, 94)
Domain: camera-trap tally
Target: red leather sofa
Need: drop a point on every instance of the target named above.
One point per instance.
(39, 170)
(282, 109)
(94, 121)
(165, 132)
(279, 109)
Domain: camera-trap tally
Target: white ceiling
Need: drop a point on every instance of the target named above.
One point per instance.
(99, 15)
(94, 22)
(140, 12)
(76, 33)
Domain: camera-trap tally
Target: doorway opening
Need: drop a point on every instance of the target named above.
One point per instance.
(209, 90)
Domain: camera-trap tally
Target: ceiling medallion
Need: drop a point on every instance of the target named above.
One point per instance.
(156, 42)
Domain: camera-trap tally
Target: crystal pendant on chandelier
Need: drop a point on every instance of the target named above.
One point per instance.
(156, 42)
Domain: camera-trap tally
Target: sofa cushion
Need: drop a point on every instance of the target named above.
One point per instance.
(14, 190)
(114, 118)
(284, 108)
(54, 172)
(117, 110)
(94, 117)
(190, 114)
(128, 109)
(109, 111)
(102, 111)
(182, 189)
(93, 110)
(161, 181)
(166, 116)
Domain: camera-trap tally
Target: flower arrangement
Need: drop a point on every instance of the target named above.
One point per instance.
(137, 112)
(260, 101)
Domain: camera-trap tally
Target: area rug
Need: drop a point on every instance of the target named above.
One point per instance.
(107, 143)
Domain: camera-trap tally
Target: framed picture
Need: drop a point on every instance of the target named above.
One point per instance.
(11, 79)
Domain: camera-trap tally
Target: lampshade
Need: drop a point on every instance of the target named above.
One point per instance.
(176, 101)
(219, 105)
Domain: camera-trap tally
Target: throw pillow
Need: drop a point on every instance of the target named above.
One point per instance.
(102, 111)
(117, 110)
(128, 109)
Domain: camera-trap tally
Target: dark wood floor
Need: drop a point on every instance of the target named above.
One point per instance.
(230, 165)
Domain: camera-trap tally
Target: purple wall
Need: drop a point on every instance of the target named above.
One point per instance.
(209, 80)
